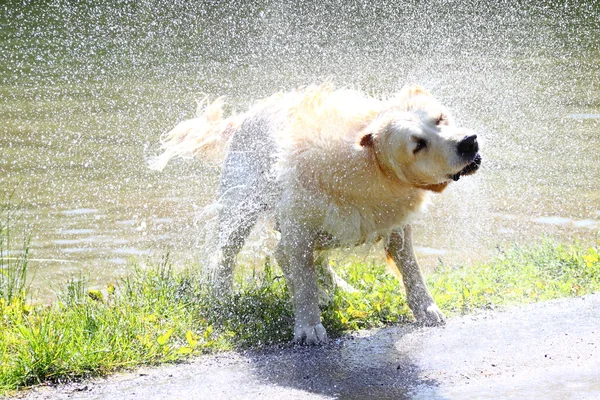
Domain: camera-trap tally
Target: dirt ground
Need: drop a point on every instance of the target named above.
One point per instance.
(541, 351)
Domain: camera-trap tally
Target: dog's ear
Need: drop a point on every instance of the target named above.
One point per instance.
(367, 140)
(415, 90)
(410, 91)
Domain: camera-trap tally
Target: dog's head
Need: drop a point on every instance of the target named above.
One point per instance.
(418, 142)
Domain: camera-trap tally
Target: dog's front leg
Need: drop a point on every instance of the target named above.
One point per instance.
(295, 255)
(399, 249)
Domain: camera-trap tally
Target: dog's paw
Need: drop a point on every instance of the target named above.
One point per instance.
(429, 314)
(310, 334)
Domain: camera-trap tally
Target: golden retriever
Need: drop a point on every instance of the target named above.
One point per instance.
(336, 168)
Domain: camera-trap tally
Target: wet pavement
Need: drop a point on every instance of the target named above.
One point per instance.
(546, 350)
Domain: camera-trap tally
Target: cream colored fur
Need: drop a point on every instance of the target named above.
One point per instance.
(335, 168)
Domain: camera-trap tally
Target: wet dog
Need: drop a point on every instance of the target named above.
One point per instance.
(335, 168)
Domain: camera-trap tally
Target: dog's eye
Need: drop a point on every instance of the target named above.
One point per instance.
(421, 144)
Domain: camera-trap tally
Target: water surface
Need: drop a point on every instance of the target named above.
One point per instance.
(86, 90)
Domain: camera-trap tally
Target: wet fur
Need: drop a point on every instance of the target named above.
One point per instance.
(335, 168)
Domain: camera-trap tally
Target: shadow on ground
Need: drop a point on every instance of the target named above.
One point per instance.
(367, 367)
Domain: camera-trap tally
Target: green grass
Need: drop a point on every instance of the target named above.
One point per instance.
(159, 315)
(13, 265)
(522, 274)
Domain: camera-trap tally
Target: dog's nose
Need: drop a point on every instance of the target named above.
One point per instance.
(468, 146)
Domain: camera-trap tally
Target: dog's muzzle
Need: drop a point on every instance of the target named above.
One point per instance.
(468, 150)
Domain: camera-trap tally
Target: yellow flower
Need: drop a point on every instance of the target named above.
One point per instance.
(591, 258)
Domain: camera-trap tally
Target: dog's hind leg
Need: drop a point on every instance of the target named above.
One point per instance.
(243, 196)
(399, 251)
(329, 281)
(237, 216)
(246, 189)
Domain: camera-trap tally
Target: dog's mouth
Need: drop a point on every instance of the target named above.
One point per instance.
(470, 169)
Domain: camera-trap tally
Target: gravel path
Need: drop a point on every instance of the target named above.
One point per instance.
(541, 351)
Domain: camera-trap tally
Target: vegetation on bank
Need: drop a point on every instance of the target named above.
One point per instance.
(160, 315)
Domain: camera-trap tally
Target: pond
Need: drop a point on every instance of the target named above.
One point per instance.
(87, 89)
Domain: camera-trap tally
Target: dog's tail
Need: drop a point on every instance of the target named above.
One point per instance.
(207, 134)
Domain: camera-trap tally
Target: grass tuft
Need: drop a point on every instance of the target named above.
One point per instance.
(13, 264)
